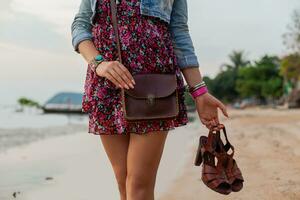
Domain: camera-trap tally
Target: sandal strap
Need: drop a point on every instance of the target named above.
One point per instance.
(215, 183)
(211, 141)
(210, 146)
(232, 171)
(228, 145)
(231, 179)
(210, 173)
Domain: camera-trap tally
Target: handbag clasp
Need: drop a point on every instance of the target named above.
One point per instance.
(150, 99)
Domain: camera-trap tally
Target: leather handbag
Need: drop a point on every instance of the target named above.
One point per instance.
(154, 96)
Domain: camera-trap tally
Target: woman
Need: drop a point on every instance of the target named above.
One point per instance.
(154, 38)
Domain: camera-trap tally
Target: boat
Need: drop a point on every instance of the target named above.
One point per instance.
(64, 102)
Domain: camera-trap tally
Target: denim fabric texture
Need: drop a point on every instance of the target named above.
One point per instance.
(173, 12)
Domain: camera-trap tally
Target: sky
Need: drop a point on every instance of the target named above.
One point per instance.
(37, 57)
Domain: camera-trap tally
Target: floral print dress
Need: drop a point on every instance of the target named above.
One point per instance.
(146, 47)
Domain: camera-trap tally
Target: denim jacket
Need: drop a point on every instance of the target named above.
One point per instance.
(174, 12)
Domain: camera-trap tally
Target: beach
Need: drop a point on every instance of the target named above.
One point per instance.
(65, 162)
(72, 165)
(267, 151)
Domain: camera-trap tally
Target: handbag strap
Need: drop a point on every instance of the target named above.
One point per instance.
(113, 7)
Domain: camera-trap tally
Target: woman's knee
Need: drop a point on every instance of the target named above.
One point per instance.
(139, 184)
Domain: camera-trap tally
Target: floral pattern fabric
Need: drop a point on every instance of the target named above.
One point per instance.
(146, 47)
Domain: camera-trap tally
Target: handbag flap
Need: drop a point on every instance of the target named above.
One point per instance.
(155, 85)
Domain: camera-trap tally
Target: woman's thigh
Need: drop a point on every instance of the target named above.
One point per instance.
(116, 147)
(144, 155)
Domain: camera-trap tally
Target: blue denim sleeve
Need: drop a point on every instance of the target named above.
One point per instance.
(182, 42)
(81, 25)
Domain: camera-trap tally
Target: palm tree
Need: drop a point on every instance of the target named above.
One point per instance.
(237, 58)
(226, 79)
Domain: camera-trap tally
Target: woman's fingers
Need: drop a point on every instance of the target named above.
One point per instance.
(117, 76)
(214, 122)
(117, 73)
(126, 73)
(223, 108)
(217, 120)
(208, 127)
(112, 79)
(205, 121)
(123, 76)
(119, 79)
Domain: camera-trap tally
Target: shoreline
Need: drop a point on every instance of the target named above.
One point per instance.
(13, 138)
(75, 166)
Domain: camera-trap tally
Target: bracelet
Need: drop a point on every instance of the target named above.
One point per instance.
(195, 87)
(200, 91)
(94, 63)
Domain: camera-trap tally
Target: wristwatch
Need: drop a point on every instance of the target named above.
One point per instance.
(96, 61)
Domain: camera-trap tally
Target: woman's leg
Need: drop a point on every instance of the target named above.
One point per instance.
(144, 154)
(116, 147)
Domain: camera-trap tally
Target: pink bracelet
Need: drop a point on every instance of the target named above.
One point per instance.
(199, 92)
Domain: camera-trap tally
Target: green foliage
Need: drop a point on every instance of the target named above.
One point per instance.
(247, 85)
(23, 101)
(272, 88)
(237, 60)
(290, 66)
(188, 99)
(208, 81)
(223, 85)
(261, 80)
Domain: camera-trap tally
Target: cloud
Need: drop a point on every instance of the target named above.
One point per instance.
(56, 12)
(38, 34)
(38, 24)
(5, 10)
(4, 5)
(29, 31)
(22, 63)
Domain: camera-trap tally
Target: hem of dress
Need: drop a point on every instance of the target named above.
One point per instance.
(139, 133)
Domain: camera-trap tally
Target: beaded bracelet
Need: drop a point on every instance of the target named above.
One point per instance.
(95, 62)
(195, 87)
(198, 92)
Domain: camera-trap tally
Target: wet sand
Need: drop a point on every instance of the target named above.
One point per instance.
(75, 166)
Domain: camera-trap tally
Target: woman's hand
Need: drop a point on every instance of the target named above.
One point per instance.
(116, 73)
(207, 107)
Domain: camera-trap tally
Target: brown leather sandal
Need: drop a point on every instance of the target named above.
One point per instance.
(213, 175)
(198, 159)
(233, 173)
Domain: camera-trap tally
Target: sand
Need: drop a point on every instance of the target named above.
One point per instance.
(75, 166)
(267, 143)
